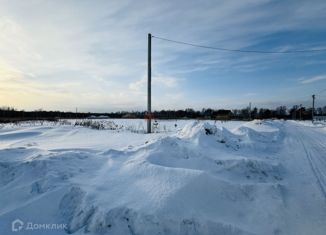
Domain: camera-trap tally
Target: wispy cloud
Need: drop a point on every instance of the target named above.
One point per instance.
(157, 80)
(313, 79)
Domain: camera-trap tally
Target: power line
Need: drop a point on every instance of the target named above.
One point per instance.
(238, 50)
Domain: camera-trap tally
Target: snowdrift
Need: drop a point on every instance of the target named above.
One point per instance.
(202, 180)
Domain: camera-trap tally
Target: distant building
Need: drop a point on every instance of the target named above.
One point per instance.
(222, 114)
(98, 117)
(129, 115)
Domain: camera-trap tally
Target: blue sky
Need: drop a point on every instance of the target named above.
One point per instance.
(93, 54)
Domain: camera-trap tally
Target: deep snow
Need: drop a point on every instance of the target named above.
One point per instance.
(259, 177)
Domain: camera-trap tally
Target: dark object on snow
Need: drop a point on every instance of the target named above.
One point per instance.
(208, 131)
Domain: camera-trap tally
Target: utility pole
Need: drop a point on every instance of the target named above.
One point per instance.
(313, 108)
(249, 111)
(149, 84)
(300, 112)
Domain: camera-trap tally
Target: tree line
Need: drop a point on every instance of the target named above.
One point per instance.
(8, 114)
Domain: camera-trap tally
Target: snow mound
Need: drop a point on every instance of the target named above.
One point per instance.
(203, 133)
(201, 180)
(203, 147)
(258, 135)
(196, 129)
(181, 184)
(253, 135)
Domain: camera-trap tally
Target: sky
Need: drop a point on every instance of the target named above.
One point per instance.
(63, 54)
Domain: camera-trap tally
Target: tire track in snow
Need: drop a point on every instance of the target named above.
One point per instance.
(322, 159)
(320, 176)
(318, 147)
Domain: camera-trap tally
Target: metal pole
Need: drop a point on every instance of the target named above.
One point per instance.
(313, 108)
(149, 84)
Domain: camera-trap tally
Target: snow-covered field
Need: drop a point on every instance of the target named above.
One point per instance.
(259, 177)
